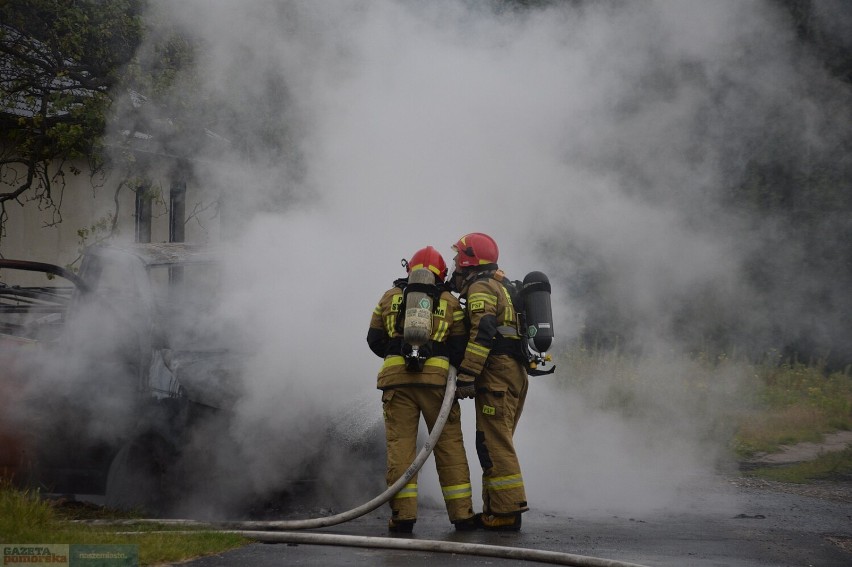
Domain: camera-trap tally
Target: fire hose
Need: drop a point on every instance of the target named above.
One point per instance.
(498, 551)
(274, 531)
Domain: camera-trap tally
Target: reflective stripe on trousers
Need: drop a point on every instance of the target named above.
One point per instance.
(407, 491)
(503, 482)
(457, 491)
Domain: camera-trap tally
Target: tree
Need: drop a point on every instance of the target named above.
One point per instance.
(64, 66)
(59, 62)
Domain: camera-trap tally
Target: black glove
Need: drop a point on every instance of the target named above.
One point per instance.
(465, 386)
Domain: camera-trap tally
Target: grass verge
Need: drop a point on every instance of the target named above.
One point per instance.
(794, 403)
(829, 466)
(26, 518)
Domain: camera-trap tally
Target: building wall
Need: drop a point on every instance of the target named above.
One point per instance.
(84, 202)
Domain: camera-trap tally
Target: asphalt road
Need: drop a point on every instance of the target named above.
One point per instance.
(741, 525)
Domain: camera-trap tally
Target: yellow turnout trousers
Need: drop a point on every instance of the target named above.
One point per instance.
(500, 393)
(402, 409)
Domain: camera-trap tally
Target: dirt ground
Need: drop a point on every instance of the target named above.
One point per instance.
(798, 453)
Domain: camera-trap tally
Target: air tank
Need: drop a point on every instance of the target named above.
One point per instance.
(418, 310)
(535, 292)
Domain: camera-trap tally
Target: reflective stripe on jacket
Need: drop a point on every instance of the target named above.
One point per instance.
(493, 323)
(447, 341)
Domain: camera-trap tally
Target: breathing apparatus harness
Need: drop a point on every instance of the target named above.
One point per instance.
(534, 320)
(427, 297)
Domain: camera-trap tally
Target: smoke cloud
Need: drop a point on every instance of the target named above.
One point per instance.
(597, 142)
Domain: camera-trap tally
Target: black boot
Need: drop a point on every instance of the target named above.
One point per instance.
(401, 526)
(468, 524)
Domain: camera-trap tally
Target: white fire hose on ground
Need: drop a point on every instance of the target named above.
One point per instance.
(272, 531)
(518, 553)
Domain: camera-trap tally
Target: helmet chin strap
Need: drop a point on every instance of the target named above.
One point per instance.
(463, 276)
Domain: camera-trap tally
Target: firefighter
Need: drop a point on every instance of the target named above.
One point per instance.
(412, 386)
(493, 372)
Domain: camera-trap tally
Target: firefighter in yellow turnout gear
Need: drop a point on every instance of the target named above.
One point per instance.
(494, 372)
(414, 386)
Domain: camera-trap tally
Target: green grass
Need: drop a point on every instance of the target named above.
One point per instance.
(795, 403)
(829, 466)
(27, 518)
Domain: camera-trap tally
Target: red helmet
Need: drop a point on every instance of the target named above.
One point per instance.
(430, 259)
(475, 249)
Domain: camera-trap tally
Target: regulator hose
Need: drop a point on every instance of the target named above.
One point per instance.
(367, 507)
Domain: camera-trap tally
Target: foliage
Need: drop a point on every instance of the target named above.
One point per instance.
(60, 61)
(62, 65)
(26, 518)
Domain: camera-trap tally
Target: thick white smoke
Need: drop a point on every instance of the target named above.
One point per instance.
(570, 133)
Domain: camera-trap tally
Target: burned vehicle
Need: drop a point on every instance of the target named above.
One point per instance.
(107, 371)
(119, 382)
(34, 300)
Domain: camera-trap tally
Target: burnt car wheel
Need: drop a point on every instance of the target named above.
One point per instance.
(139, 477)
(352, 463)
